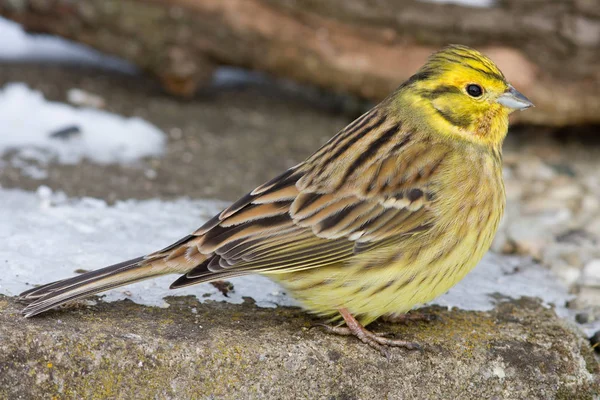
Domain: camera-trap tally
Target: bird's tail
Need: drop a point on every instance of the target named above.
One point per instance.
(53, 294)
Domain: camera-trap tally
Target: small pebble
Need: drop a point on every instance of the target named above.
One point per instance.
(150, 174)
(225, 287)
(83, 98)
(176, 133)
(591, 273)
(66, 133)
(582, 318)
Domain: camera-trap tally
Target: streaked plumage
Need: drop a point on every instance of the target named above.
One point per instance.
(388, 214)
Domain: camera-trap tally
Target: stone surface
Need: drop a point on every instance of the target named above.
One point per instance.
(216, 350)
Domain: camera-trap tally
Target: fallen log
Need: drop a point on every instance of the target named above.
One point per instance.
(549, 50)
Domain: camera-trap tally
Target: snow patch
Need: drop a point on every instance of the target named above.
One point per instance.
(59, 132)
(17, 45)
(47, 236)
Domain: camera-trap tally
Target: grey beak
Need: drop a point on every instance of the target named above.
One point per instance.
(512, 98)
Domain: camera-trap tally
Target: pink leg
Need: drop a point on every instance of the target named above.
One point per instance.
(375, 340)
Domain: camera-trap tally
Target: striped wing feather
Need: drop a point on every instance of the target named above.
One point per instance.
(369, 186)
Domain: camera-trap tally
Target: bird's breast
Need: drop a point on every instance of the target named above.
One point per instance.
(467, 205)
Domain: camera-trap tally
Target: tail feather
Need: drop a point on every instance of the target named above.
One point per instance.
(48, 296)
(40, 291)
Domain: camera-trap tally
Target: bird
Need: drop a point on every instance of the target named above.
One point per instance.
(387, 215)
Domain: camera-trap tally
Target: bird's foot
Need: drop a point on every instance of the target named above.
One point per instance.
(409, 317)
(376, 340)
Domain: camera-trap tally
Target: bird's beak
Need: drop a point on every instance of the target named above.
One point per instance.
(513, 99)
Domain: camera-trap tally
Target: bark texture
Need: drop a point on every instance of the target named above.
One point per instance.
(549, 50)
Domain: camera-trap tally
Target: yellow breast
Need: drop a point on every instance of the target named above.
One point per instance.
(397, 278)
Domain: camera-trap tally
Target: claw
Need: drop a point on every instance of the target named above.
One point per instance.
(376, 340)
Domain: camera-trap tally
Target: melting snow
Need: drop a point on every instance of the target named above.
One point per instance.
(18, 45)
(68, 134)
(47, 236)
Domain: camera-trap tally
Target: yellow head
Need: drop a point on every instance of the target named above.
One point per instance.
(460, 92)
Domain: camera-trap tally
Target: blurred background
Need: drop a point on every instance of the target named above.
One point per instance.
(138, 99)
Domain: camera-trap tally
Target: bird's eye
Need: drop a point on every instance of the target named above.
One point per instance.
(474, 90)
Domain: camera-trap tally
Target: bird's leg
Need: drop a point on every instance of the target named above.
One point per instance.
(377, 341)
(409, 317)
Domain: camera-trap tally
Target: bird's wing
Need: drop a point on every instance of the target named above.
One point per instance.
(337, 204)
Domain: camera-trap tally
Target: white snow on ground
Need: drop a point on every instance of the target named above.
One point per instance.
(469, 3)
(29, 121)
(17, 45)
(47, 236)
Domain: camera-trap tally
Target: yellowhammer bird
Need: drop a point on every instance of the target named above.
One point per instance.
(390, 213)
